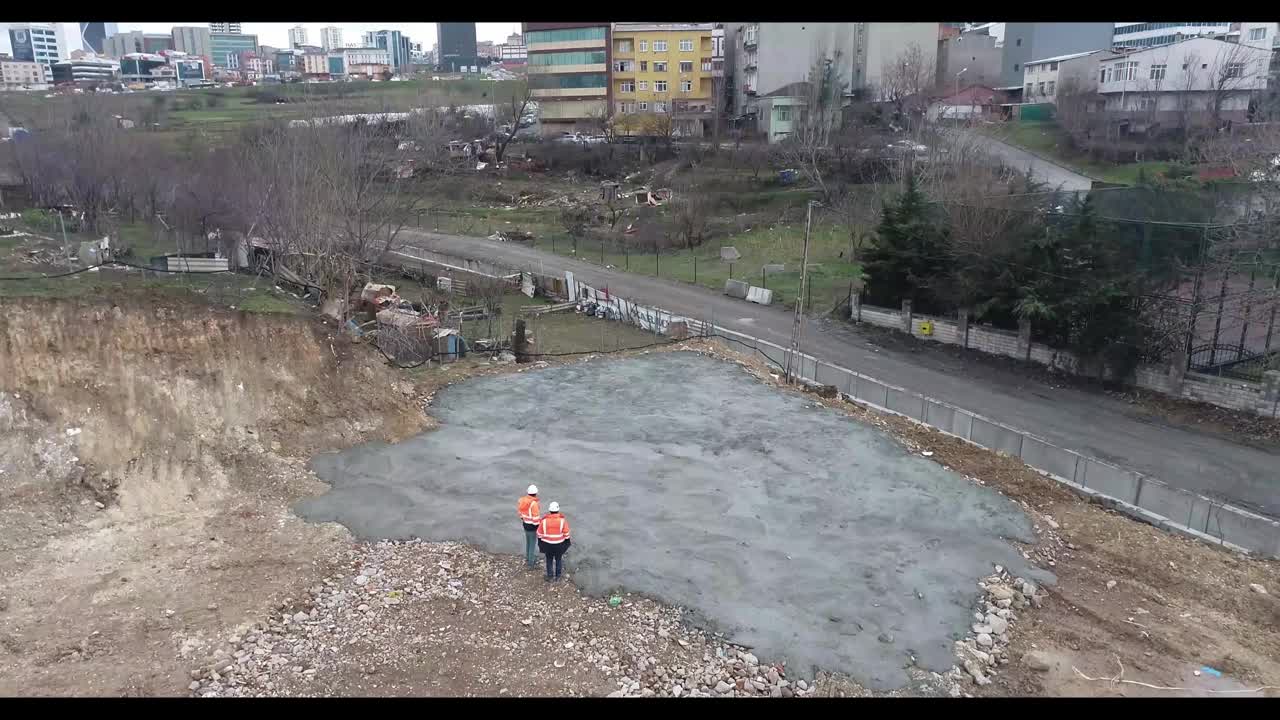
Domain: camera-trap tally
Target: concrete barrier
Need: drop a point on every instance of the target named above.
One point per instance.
(996, 437)
(1180, 506)
(736, 289)
(1050, 458)
(907, 403)
(1109, 480)
(940, 416)
(873, 392)
(1245, 529)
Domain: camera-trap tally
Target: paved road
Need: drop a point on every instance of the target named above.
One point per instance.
(1088, 422)
(1055, 176)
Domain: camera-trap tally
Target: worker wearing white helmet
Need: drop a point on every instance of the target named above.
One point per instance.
(553, 539)
(529, 518)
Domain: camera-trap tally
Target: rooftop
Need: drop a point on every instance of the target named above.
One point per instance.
(662, 27)
(1063, 58)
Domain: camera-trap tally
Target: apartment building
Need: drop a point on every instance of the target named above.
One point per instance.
(23, 75)
(1024, 42)
(297, 36)
(331, 38)
(1043, 78)
(663, 69)
(568, 74)
(1184, 82)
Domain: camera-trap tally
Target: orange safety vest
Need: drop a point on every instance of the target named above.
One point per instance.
(553, 529)
(528, 509)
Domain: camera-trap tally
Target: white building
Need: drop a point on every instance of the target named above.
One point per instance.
(1195, 78)
(1155, 34)
(44, 43)
(1042, 78)
(225, 27)
(297, 36)
(331, 38)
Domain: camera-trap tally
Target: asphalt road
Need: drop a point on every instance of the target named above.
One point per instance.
(1087, 422)
(1055, 176)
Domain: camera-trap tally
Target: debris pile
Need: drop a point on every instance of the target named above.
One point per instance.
(986, 650)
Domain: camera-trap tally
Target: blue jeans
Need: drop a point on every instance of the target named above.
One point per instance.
(558, 558)
(531, 546)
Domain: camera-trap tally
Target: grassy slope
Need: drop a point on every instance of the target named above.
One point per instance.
(1049, 140)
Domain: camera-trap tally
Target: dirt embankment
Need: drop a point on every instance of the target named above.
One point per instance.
(149, 449)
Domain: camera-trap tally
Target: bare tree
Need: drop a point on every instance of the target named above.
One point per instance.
(904, 81)
(808, 147)
(520, 97)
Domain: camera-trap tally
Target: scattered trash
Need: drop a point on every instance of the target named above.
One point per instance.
(1209, 671)
(72, 432)
(927, 453)
(1252, 586)
(1111, 584)
(615, 601)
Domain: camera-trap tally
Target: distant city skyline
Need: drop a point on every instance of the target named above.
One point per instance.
(277, 34)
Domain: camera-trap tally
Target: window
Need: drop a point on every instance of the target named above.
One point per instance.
(1049, 88)
(1257, 33)
(1235, 70)
(1103, 75)
(1157, 72)
(706, 64)
(587, 57)
(542, 81)
(659, 45)
(644, 84)
(1015, 67)
(624, 66)
(644, 66)
(686, 46)
(1053, 67)
(623, 46)
(550, 36)
(1019, 42)
(644, 46)
(659, 85)
(659, 67)
(782, 113)
(626, 107)
(659, 106)
(686, 86)
(627, 86)
(686, 66)
(1040, 88)
(642, 106)
(1028, 92)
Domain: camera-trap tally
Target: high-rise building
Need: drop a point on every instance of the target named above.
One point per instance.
(134, 41)
(193, 41)
(457, 45)
(396, 45)
(225, 27)
(94, 34)
(227, 48)
(297, 36)
(331, 38)
(568, 73)
(37, 42)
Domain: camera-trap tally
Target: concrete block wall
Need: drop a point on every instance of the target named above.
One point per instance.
(1228, 393)
(944, 331)
(991, 340)
(881, 317)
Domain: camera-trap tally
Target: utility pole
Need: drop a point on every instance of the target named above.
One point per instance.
(798, 324)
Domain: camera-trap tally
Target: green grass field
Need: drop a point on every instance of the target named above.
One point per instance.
(1048, 139)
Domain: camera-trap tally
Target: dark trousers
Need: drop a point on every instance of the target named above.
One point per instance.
(555, 555)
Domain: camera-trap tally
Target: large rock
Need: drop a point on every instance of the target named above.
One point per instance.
(998, 624)
(1037, 660)
(1000, 592)
(723, 687)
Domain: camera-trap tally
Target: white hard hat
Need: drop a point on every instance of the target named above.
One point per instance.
(533, 489)
(555, 507)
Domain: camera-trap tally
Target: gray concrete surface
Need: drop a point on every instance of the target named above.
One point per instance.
(1087, 422)
(1055, 176)
(801, 532)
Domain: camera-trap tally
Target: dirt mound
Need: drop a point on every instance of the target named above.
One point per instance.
(147, 449)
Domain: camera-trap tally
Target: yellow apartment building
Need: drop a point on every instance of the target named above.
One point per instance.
(660, 78)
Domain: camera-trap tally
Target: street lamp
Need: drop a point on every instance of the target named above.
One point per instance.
(955, 98)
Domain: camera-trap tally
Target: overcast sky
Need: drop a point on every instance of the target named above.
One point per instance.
(277, 34)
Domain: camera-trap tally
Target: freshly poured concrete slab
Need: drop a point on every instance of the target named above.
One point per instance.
(798, 531)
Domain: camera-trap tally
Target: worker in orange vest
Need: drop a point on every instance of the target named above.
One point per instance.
(529, 518)
(553, 539)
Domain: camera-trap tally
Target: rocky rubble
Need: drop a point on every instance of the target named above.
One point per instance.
(986, 650)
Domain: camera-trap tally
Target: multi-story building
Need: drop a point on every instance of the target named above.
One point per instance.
(86, 71)
(1155, 34)
(509, 53)
(662, 69)
(225, 27)
(486, 49)
(122, 44)
(1024, 42)
(457, 45)
(568, 74)
(297, 36)
(315, 65)
(37, 42)
(396, 45)
(23, 75)
(93, 35)
(194, 41)
(226, 48)
(363, 61)
(766, 57)
(331, 38)
(1184, 82)
(1043, 78)
(975, 57)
